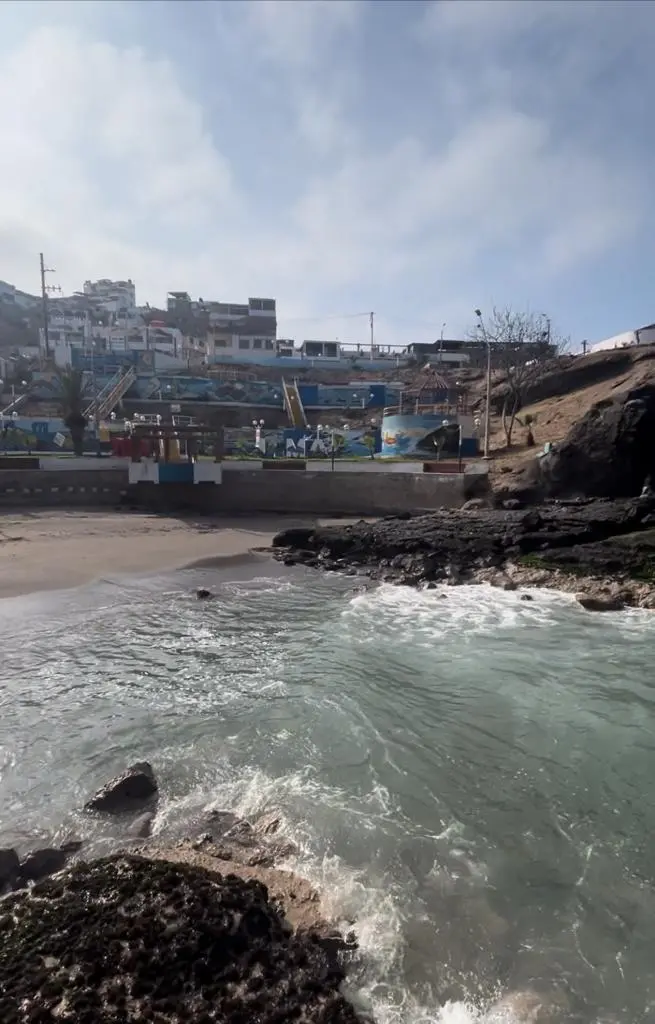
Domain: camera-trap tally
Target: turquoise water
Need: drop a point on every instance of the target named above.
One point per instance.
(470, 776)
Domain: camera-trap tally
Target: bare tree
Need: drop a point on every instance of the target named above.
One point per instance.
(522, 345)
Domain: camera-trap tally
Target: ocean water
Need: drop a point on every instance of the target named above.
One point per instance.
(469, 775)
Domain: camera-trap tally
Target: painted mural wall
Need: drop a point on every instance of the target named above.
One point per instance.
(427, 436)
(43, 435)
(267, 394)
(290, 442)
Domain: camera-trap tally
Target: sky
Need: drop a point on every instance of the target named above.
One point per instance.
(417, 159)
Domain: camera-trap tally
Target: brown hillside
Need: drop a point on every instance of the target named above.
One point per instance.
(578, 382)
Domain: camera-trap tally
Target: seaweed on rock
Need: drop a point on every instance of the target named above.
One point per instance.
(131, 939)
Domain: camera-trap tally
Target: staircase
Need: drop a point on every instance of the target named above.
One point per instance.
(14, 405)
(293, 405)
(111, 394)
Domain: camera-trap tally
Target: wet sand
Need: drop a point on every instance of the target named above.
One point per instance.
(52, 550)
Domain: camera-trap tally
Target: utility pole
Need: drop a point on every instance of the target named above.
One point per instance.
(487, 411)
(371, 321)
(584, 347)
(44, 302)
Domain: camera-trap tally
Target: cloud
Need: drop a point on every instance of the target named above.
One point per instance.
(117, 162)
(296, 35)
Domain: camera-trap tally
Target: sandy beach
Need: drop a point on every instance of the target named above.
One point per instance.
(52, 550)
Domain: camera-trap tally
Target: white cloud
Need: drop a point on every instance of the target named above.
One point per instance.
(109, 167)
(297, 34)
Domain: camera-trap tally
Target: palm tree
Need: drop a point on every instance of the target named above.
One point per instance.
(71, 400)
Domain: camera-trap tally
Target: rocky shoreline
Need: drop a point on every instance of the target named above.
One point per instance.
(208, 928)
(581, 518)
(601, 549)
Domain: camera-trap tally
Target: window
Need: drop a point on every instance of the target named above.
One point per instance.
(270, 344)
(244, 343)
(222, 343)
(257, 343)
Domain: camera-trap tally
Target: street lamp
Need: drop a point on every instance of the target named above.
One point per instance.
(443, 327)
(258, 425)
(487, 412)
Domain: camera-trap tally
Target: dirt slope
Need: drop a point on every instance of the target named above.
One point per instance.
(603, 375)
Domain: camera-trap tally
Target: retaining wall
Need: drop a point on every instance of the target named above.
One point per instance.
(244, 491)
(65, 488)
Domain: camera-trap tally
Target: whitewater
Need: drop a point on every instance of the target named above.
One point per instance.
(468, 774)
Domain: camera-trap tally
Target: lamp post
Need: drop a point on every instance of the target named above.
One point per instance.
(258, 425)
(487, 411)
(443, 327)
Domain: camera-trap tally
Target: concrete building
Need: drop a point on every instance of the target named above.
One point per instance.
(111, 296)
(14, 297)
(640, 336)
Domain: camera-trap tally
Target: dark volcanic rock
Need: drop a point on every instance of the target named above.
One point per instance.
(9, 869)
(127, 939)
(41, 863)
(450, 545)
(203, 594)
(127, 792)
(608, 453)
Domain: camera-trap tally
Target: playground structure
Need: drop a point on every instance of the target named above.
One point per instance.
(169, 452)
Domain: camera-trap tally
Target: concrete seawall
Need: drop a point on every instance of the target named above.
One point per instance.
(243, 491)
(66, 488)
(313, 493)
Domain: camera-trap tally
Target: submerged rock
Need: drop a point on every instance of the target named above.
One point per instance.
(203, 594)
(160, 941)
(126, 793)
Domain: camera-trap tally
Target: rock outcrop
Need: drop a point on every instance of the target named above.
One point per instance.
(131, 939)
(609, 453)
(132, 791)
(595, 538)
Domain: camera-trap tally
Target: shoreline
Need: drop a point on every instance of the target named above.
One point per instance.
(600, 550)
(45, 551)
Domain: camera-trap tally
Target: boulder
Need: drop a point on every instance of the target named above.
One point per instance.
(126, 793)
(294, 537)
(608, 453)
(203, 594)
(9, 869)
(601, 602)
(41, 863)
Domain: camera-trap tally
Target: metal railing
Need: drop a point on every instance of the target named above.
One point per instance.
(293, 405)
(111, 394)
(411, 407)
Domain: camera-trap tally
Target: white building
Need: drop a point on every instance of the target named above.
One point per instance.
(111, 296)
(640, 336)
